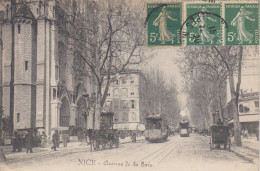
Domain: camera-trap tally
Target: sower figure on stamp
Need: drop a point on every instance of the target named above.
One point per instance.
(161, 20)
(239, 22)
(55, 140)
(201, 23)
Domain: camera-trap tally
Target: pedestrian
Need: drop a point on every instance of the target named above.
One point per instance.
(43, 140)
(17, 142)
(133, 137)
(29, 141)
(55, 140)
(246, 134)
(64, 140)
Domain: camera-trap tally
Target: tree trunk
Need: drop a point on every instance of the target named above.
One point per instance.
(97, 117)
(97, 109)
(211, 119)
(237, 135)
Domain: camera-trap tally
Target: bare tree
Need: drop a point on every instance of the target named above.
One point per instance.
(108, 37)
(205, 75)
(216, 64)
(232, 58)
(161, 96)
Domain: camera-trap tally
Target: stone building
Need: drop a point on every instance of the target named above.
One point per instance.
(248, 108)
(125, 100)
(39, 83)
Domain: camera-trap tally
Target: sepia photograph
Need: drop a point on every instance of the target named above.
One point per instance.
(118, 85)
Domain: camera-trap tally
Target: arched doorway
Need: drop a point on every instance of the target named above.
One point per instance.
(64, 112)
(81, 118)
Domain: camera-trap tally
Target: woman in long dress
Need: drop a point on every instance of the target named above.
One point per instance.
(201, 23)
(239, 22)
(161, 20)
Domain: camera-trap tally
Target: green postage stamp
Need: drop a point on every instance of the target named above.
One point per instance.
(203, 24)
(163, 24)
(242, 20)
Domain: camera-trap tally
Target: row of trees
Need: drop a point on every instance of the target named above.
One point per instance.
(160, 95)
(207, 71)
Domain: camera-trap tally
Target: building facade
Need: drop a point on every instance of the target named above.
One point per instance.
(125, 100)
(248, 106)
(40, 87)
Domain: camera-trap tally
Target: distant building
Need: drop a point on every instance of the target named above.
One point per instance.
(125, 100)
(40, 85)
(248, 107)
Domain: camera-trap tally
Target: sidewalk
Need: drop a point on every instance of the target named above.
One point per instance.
(72, 147)
(249, 150)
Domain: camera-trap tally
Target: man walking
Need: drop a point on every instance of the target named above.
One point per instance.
(29, 141)
(17, 142)
(55, 140)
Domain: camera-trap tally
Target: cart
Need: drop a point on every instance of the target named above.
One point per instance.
(219, 136)
(106, 135)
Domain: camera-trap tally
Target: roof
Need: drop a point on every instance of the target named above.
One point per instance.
(22, 10)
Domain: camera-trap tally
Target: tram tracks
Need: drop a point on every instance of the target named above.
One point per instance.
(161, 154)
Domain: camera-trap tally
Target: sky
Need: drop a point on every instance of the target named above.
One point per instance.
(166, 61)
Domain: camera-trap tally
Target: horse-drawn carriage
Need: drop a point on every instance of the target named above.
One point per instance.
(220, 136)
(106, 135)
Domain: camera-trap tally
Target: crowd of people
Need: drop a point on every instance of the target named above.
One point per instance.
(31, 139)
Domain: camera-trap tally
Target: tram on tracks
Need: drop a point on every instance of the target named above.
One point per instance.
(156, 129)
(184, 128)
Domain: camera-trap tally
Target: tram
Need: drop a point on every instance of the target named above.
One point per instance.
(156, 129)
(184, 128)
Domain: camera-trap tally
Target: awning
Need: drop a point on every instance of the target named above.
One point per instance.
(129, 126)
(247, 118)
